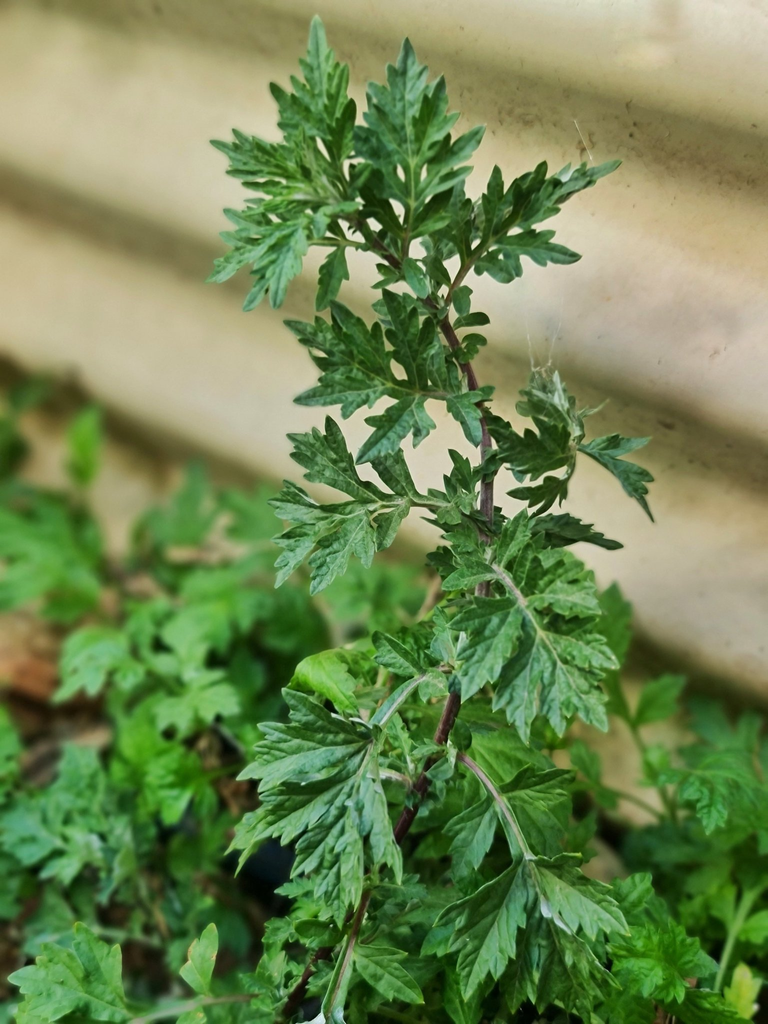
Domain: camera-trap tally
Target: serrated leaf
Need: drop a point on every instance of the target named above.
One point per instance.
(407, 139)
(468, 414)
(320, 789)
(703, 1007)
(482, 928)
(472, 834)
(396, 656)
(720, 785)
(92, 656)
(655, 961)
(564, 529)
(327, 460)
(204, 700)
(609, 452)
(557, 667)
(491, 628)
(333, 271)
(407, 416)
(381, 967)
(85, 980)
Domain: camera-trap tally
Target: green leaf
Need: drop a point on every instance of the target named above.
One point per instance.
(559, 660)
(407, 416)
(550, 449)
(503, 262)
(468, 414)
(84, 444)
(320, 789)
(329, 674)
(416, 278)
(743, 991)
(327, 460)
(615, 624)
(333, 271)
(94, 655)
(546, 897)
(755, 928)
(407, 138)
(609, 452)
(459, 1009)
(656, 961)
(703, 1007)
(483, 927)
(720, 785)
(472, 833)
(85, 981)
(201, 958)
(319, 105)
(397, 657)
(548, 454)
(204, 700)
(381, 967)
(564, 529)
(52, 553)
(354, 363)
(491, 628)
(587, 761)
(331, 534)
(659, 699)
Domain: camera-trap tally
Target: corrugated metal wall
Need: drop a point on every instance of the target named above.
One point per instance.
(111, 203)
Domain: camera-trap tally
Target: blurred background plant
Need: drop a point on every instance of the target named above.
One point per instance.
(119, 793)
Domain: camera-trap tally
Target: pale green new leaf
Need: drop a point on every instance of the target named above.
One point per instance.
(333, 675)
(84, 444)
(743, 991)
(201, 958)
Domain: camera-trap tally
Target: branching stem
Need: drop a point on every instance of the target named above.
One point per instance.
(452, 704)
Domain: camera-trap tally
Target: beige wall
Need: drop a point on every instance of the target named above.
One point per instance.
(111, 203)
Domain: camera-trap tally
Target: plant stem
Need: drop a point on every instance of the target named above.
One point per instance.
(667, 798)
(499, 801)
(743, 909)
(349, 952)
(453, 701)
(192, 1004)
(639, 802)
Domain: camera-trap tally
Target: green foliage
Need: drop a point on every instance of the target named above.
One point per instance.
(178, 654)
(403, 750)
(85, 981)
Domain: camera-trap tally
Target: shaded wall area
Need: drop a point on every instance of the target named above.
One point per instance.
(110, 208)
